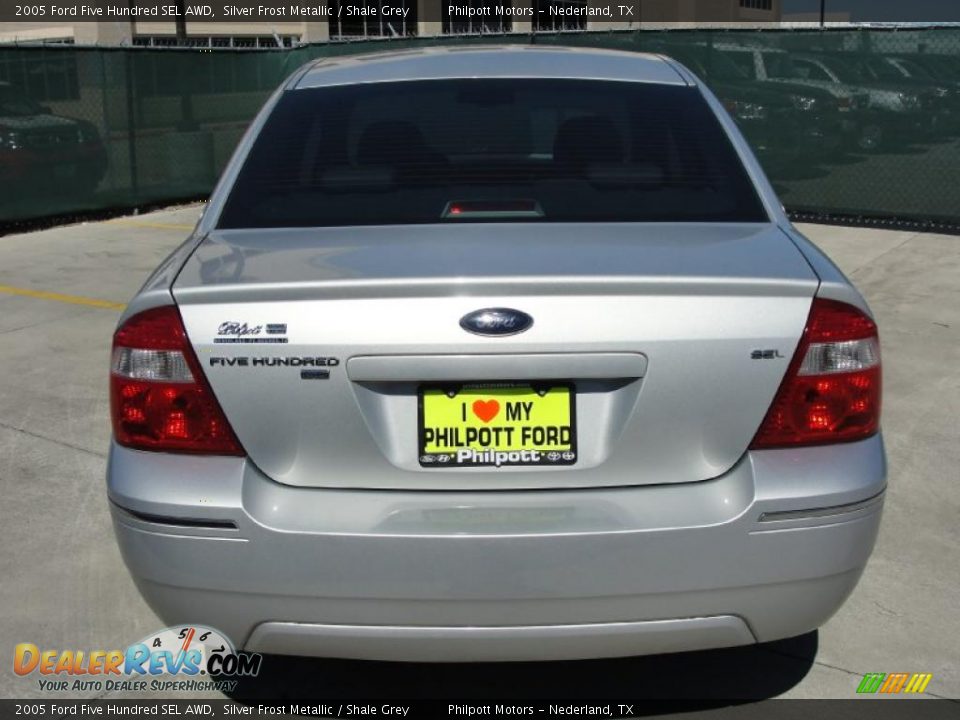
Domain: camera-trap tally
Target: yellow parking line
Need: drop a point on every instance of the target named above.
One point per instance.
(60, 297)
(156, 225)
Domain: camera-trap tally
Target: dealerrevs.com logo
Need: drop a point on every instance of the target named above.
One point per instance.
(188, 657)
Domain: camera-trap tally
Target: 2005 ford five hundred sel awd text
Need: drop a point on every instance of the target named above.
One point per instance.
(496, 354)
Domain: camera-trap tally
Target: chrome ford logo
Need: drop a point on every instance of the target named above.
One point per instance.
(496, 321)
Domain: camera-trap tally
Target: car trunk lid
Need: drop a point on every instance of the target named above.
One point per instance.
(319, 343)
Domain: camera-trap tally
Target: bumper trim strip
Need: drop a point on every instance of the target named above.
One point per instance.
(200, 523)
(499, 643)
(823, 512)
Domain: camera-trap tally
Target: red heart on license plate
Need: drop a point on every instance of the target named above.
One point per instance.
(486, 410)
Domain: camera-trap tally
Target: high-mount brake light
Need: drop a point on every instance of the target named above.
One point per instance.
(159, 398)
(832, 389)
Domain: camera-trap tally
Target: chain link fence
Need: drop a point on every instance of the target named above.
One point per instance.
(862, 123)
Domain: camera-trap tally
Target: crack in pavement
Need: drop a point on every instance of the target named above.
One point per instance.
(78, 312)
(882, 255)
(28, 433)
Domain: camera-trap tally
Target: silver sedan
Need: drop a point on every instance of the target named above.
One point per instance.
(496, 354)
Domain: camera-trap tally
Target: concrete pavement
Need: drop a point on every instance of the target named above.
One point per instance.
(64, 585)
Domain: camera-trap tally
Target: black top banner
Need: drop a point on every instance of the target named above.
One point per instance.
(597, 12)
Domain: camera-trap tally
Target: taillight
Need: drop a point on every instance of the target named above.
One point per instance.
(831, 392)
(159, 398)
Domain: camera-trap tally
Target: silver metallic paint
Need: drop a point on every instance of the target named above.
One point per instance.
(618, 556)
(387, 559)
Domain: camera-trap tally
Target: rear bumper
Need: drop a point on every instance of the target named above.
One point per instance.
(769, 550)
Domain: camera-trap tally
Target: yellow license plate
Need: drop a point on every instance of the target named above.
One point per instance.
(497, 425)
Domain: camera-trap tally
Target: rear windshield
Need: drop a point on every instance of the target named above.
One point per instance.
(477, 150)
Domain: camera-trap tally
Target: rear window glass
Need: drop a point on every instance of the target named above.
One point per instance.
(476, 150)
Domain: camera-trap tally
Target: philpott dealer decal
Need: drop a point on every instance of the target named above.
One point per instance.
(232, 332)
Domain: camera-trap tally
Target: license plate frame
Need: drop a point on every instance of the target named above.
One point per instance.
(537, 447)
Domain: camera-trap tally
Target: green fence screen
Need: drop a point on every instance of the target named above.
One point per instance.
(860, 122)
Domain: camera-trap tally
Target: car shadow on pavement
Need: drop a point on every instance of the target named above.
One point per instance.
(698, 680)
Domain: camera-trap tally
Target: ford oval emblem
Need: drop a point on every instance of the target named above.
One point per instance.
(496, 321)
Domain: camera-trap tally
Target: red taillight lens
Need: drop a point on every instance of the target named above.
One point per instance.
(159, 398)
(831, 392)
